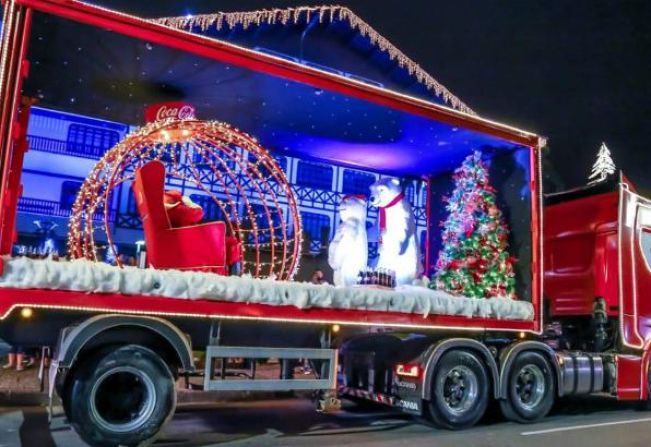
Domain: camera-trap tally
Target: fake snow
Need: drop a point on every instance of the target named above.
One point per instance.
(87, 276)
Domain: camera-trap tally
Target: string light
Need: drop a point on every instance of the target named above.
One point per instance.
(286, 16)
(203, 147)
(479, 327)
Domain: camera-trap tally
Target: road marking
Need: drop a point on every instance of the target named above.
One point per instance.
(581, 427)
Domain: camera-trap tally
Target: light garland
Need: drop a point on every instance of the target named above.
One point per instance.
(214, 145)
(286, 16)
(481, 327)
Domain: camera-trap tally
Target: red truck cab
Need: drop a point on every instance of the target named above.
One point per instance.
(598, 245)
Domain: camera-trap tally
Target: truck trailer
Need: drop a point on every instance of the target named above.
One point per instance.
(122, 336)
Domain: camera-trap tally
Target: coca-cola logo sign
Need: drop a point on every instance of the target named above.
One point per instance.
(169, 110)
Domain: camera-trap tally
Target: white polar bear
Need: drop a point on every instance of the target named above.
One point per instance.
(398, 249)
(348, 250)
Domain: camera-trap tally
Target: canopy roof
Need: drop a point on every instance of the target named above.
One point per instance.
(332, 38)
(293, 109)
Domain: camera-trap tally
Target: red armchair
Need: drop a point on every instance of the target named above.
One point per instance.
(203, 247)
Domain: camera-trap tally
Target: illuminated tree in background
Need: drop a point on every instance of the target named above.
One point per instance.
(474, 260)
(603, 166)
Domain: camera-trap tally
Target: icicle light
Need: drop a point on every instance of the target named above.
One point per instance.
(304, 14)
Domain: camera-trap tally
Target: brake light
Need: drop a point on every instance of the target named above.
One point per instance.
(408, 370)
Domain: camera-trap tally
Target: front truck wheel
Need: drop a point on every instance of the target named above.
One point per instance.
(530, 389)
(460, 390)
(121, 396)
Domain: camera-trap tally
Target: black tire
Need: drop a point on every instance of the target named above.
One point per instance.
(460, 391)
(530, 389)
(645, 405)
(121, 396)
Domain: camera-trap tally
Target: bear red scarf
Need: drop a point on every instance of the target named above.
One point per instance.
(383, 214)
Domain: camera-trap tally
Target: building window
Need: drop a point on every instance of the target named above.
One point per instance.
(314, 175)
(282, 162)
(211, 211)
(356, 182)
(69, 190)
(218, 160)
(410, 193)
(173, 156)
(90, 140)
(316, 227)
(265, 227)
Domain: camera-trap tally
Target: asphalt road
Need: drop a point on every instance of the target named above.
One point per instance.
(589, 422)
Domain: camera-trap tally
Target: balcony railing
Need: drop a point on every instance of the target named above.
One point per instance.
(52, 208)
(62, 147)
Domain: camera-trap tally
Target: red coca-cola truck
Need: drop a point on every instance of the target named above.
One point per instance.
(578, 325)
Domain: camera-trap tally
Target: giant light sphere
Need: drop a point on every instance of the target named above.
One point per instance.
(242, 180)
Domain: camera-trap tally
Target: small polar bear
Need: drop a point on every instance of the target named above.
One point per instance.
(348, 250)
(398, 250)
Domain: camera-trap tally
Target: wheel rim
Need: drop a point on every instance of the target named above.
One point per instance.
(459, 388)
(122, 399)
(530, 386)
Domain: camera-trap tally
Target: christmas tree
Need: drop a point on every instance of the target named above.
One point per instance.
(474, 260)
(603, 167)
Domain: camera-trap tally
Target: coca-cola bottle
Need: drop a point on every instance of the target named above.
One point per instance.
(366, 277)
(360, 277)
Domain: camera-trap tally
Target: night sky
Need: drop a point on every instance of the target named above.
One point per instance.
(577, 72)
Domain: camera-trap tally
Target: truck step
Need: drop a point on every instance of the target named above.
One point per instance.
(218, 377)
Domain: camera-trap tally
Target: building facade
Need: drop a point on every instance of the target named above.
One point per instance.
(64, 147)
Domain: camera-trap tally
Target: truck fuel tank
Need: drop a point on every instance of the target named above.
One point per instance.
(582, 373)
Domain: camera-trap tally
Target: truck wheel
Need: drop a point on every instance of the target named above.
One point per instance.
(645, 405)
(530, 389)
(121, 396)
(460, 391)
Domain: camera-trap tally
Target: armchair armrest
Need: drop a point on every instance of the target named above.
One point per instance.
(202, 245)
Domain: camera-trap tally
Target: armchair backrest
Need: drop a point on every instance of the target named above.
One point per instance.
(148, 188)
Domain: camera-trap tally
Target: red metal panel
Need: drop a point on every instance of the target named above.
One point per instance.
(11, 299)
(536, 235)
(13, 69)
(581, 254)
(628, 377)
(636, 224)
(428, 208)
(14, 187)
(632, 274)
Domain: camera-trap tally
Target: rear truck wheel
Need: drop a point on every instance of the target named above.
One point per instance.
(530, 389)
(121, 396)
(460, 391)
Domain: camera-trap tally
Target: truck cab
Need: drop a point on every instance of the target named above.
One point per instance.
(598, 247)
